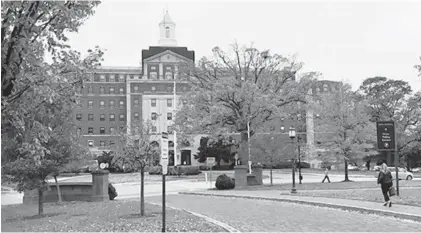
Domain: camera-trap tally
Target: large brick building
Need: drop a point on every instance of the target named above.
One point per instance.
(118, 98)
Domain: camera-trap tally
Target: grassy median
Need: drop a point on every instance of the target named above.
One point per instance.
(118, 215)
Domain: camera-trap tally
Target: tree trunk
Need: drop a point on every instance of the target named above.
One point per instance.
(40, 202)
(346, 170)
(58, 190)
(142, 193)
(244, 148)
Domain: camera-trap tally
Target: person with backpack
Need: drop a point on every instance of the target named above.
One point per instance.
(386, 181)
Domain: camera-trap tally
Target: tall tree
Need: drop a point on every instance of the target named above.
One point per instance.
(233, 90)
(35, 92)
(390, 99)
(351, 134)
(137, 152)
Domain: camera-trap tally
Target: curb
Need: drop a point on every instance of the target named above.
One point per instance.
(211, 220)
(321, 204)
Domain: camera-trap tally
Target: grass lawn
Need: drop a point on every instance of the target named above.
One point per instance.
(406, 196)
(332, 185)
(120, 216)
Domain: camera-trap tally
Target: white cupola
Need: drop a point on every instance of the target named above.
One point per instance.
(167, 31)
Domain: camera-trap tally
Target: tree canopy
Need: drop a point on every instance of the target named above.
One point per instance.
(244, 86)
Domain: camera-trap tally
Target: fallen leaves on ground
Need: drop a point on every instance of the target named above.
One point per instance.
(118, 215)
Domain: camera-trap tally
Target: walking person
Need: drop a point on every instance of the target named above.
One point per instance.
(385, 179)
(326, 176)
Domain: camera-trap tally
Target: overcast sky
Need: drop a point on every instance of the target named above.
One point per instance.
(345, 41)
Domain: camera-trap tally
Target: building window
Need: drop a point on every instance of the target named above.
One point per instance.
(153, 68)
(153, 102)
(78, 131)
(102, 78)
(170, 131)
(153, 88)
(325, 87)
(169, 116)
(121, 128)
(101, 90)
(136, 103)
(79, 117)
(90, 143)
(154, 116)
(121, 90)
(121, 78)
(90, 117)
(136, 116)
(153, 75)
(90, 103)
(90, 130)
(168, 75)
(169, 102)
(102, 117)
(184, 102)
(122, 117)
(282, 128)
(102, 130)
(167, 32)
(136, 88)
(111, 90)
(111, 103)
(154, 129)
(112, 78)
(112, 143)
(101, 143)
(121, 103)
(112, 130)
(112, 117)
(102, 104)
(90, 90)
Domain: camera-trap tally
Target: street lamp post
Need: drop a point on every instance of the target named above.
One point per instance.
(299, 160)
(292, 136)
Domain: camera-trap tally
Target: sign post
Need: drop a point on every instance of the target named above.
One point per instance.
(210, 161)
(164, 164)
(386, 141)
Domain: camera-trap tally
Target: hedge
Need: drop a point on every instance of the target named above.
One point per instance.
(175, 170)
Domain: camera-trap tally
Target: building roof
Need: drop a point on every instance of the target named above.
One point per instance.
(167, 19)
(154, 50)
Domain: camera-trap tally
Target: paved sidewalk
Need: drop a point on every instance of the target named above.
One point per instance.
(400, 211)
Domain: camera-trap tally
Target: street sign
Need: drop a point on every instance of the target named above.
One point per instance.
(210, 161)
(164, 153)
(386, 135)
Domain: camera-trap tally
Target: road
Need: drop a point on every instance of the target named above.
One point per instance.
(129, 190)
(248, 215)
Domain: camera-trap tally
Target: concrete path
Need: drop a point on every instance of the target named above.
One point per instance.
(401, 211)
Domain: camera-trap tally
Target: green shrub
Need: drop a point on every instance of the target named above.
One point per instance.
(173, 171)
(112, 192)
(224, 182)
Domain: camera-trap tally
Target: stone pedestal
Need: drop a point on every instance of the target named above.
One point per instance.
(257, 170)
(100, 185)
(240, 175)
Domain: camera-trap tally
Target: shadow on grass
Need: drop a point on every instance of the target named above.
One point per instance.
(137, 215)
(37, 216)
(347, 181)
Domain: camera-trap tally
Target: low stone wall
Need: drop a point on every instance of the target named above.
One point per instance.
(70, 191)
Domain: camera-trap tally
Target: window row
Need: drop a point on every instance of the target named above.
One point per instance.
(112, 78)
(111, 103)
(91, 143)
(103, 90)
(102, 117)
(154, 116)
(169, 102)
(111, 130)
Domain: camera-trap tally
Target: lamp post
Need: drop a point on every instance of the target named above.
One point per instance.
(299, 160)
(292, 136)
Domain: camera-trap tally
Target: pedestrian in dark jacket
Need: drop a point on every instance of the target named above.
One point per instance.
(385, 179)
(326, 176)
